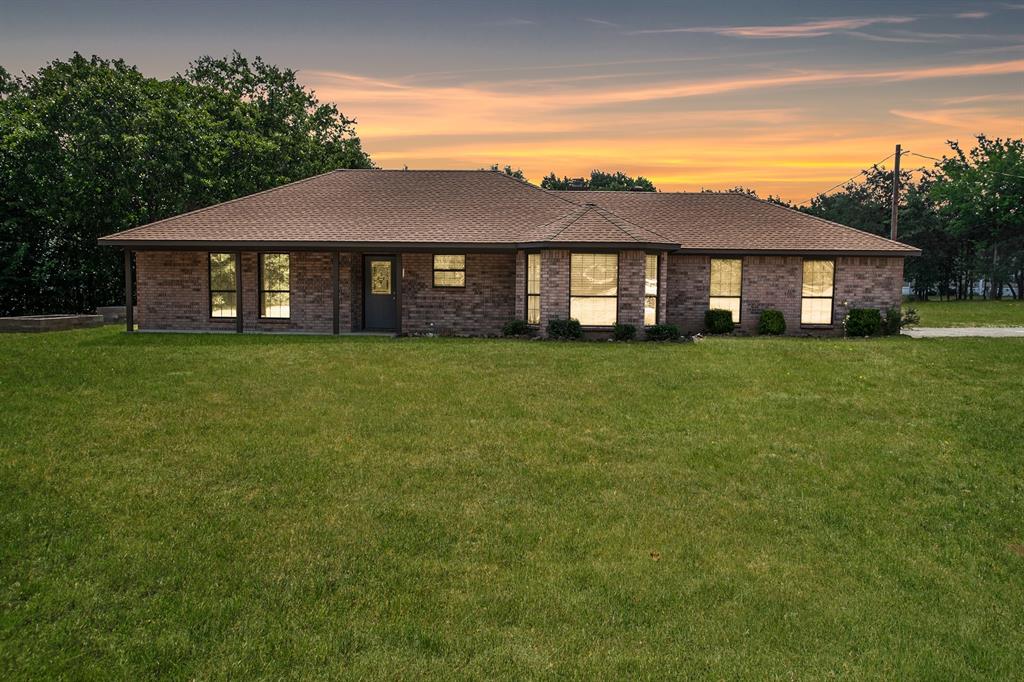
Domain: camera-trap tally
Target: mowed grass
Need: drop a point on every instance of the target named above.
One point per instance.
(213, 507)
(976, 313)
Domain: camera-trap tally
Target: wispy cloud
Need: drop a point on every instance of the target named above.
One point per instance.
(601, 22)
(807, 29)
(887, 38)
(972, 15)
(990, 97)
(991, 50)
(510, 22)
(977, 119)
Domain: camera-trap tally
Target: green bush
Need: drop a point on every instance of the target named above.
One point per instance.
(623, 332)
(863, 322)
(910, 318)
(772, 322)
(718, 321)
(662, 332)
(515, 328)
(565, 329)
(892, 322)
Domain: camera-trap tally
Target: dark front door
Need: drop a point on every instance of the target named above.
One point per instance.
(380, 293)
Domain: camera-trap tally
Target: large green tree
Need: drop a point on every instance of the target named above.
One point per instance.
(979, 194)
(90, 146)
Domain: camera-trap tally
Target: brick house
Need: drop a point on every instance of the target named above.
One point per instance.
(463, 252)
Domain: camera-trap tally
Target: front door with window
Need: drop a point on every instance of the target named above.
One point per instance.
(380, 293)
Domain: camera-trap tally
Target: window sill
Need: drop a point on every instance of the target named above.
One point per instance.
(274, 319)
(817, 326)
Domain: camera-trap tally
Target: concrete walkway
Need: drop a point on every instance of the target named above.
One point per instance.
(943, 332)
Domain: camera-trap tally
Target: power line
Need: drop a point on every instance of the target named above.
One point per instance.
(932, 158)
(863, 172)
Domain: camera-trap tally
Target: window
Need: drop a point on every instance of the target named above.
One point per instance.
(533, 288)
(449, 271)
(275, 295)
(816, 301)
(380, 277)
(593, 288)
(727, 286)
(223, 294)
(651, 289)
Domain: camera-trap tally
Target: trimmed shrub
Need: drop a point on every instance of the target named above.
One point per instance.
(565, 329)
(623, 332)
(662, 332)
(772, 322)
(892, 321)
(718, 321)
(515, 328)
(863, 322)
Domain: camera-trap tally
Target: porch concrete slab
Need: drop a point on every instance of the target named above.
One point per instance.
(947, 332)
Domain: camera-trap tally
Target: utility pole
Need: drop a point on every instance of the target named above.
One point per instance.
(895, 196)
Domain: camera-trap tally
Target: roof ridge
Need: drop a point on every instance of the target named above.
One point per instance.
(582, 210)
(230, 201)
(830, 222)
(615, 215)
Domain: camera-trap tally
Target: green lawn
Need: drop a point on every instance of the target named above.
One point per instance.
(978, 313)
(212, 507)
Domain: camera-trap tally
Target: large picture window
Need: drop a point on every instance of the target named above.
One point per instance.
(275, 291)
(651, 290)
(449, 271)
(223, 294)
(533, 288)
(818, 287)
(727, 286)
(593, 288)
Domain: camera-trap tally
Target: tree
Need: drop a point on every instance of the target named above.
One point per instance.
(979, 194)
(771, 198)
(91, 146)
(599, 180)
(507, 170)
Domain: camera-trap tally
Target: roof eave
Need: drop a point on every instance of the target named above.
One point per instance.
(801, 252)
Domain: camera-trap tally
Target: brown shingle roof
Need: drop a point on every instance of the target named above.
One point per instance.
(487, 208)
(735, 222)
(589, 223)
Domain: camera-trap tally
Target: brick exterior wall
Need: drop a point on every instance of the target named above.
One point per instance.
(867, 282)
(776, 282)
(173, 291)
(554, 286)
(770, 282)
(632, 266)
(480, 309)
(686, 291)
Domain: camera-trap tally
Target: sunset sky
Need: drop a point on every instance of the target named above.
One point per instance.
(788, 98)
